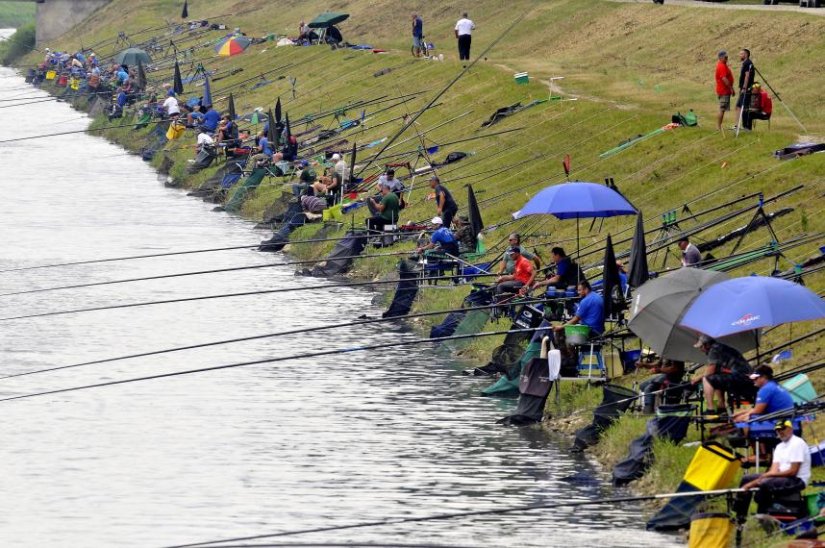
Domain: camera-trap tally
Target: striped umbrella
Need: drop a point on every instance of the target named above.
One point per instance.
(232, 45)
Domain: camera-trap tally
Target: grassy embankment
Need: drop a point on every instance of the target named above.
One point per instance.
(630, 65)
(20, 16)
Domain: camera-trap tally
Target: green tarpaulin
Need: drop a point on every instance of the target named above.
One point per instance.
(327, 19)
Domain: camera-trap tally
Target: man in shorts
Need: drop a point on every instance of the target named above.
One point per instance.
(724, 87)
(726, 372)
(417, 35)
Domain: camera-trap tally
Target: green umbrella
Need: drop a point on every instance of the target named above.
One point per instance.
(327, 19)
(132, 56)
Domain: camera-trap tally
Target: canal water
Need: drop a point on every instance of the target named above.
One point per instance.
(266, 448)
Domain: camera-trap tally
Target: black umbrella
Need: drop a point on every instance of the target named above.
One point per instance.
(185, 13)
(141, 76)
(639, 273)
(473, 213)
(232, 114)
(352, 164)
(611, 285)
(177, 86)
(278, 110)
(288, 131)
(271, 131)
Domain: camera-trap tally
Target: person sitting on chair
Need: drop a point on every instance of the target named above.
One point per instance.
(442, 239)
(521, 280)
(387, 210)
(761, 107)
(590, 311)
(668, 374)
(568, 273)
(789, 473)
(770, 397)
(726, 371)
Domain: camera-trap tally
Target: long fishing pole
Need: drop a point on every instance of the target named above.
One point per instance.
(224, 295)
(304, 355)
(472, 513)
(465, 140)
(415, 117)
(218, 271)
(323, 327)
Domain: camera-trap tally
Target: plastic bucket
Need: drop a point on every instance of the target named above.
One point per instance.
(629, 359)
(576, 334)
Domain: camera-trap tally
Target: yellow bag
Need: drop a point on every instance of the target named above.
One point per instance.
(74, 83)
(333, 213)
(712, 467)
(51, 74)
(710, 531)
(176, 129)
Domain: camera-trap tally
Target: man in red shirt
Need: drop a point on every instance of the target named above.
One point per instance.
(524, 273)
(724, 87)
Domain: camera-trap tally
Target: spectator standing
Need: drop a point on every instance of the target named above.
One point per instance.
(724, 87)
(463, 32)
(746, 79)
(445, 205)
(417, 35)
(690, 253)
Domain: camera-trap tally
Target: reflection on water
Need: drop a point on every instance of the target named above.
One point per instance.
(273, 447)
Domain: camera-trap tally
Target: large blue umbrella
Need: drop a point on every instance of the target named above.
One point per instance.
(752, 302)
(577, 200)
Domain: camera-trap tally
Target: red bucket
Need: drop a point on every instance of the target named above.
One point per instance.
(62, 81)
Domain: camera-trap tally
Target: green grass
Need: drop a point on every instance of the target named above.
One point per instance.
(631, 66)
(18, 44)
(16, 14)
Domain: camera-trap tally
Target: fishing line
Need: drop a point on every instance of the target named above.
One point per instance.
(441, 92)
(472, 513)
(277, 359)
(324, 327)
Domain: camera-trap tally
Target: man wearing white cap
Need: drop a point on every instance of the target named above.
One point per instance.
(441, 238)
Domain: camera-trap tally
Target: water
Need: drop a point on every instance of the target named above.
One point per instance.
(268, 448)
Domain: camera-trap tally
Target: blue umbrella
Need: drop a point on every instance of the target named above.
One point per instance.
(207, 92)
(751, 302)
(575, 201)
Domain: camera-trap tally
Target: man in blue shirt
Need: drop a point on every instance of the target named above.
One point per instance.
(417, 34)
(590, 311)
(769, 399)
(442, 238)
(263, 144)
(211, 120)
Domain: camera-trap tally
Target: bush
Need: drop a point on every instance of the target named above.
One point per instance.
(19, 44)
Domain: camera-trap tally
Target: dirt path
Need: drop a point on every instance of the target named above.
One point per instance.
(722, 6)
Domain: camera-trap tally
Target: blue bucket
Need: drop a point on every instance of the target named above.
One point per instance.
(629, 359)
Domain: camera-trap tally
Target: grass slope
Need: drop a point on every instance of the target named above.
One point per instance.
(630, 65)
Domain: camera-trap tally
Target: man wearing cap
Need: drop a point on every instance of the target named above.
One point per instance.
(441, 238)
(507, 264)
(789, 473)
(387, 210)
(724, 87)
(445, 205)
(521, 280)
(770, 397)
(726, 371)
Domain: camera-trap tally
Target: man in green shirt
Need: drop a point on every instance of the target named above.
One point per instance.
(508, 265)
(388, 209)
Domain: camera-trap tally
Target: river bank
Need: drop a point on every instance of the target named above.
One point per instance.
(685, 165)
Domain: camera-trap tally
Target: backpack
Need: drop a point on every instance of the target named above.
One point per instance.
(689, 120)
(767, 103)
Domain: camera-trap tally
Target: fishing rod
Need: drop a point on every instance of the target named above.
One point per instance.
(415, 117)
(471, 513)
(701, 227)
(217, 271)
(277, 359)
(323, 327)
(465, 140)
(220, 296)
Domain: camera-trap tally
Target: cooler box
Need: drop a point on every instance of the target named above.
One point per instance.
(800, 388)
(521, 78)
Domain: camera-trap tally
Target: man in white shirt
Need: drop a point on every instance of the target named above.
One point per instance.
(789, 473)
(171, 107)
(463, 32)
(205, 140)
